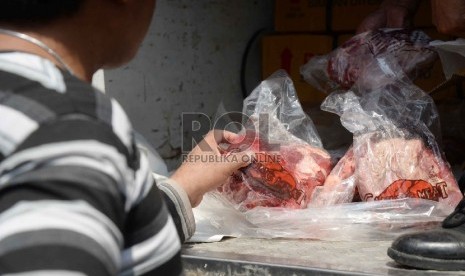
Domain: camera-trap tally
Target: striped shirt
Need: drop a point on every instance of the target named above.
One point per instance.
(76, 196)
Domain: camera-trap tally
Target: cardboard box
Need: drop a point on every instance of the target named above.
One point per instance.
(300, 15)
(342, 38)
(335, 15)
(451, 89)
(290, 52)
(346, 15)
(435, 77)
(431, 79)
(436, 84)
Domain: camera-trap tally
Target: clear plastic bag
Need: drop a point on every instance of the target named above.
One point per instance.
(290, 161)
(339, 186)
(275, 99)
(395, 164)
(364, 221)
(342, 68)
(395, 153)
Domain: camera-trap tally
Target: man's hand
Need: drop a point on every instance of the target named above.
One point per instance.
(391, 14)
(205, 168)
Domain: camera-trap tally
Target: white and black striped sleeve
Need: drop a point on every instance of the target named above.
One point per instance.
(179, 206)
(77, 196)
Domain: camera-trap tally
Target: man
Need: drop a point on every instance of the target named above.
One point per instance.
(443, 248)
(447, 16)
(76, 197)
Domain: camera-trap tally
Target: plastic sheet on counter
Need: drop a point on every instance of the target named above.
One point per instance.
(363, 221)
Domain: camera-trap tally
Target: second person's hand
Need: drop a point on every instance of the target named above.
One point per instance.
(391, 14)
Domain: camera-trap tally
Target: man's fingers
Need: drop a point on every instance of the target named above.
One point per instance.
(240, 160)
(231, 137)
(224, 136)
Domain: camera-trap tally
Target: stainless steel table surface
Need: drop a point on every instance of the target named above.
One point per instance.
(239, 256)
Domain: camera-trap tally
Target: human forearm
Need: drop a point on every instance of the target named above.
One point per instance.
(410, 5)
(391, 14)
(179, 206)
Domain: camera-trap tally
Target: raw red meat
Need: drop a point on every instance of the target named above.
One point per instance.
(408, 48)
(390, 168)
(398, 168)
(283, 177)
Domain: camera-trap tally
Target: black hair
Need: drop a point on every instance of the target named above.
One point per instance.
(36, 11)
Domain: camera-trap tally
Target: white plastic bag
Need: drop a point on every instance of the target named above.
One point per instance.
(289, 162)
(364, 221)
(341, 69)
(395, 153)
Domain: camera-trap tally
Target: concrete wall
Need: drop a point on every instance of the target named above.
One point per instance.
(190, 62)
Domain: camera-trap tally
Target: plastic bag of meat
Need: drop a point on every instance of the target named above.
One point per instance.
(395, 153)
(339, 186)
(342, 68)
(289, 161)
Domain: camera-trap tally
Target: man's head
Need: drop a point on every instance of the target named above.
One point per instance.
(110, 31)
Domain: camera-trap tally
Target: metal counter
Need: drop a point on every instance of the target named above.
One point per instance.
(294, 257)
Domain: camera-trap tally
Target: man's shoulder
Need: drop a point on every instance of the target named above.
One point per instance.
(31, 106)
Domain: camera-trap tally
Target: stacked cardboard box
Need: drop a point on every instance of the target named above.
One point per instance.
(346, 15)
(300, 15)
(333, 15)
(435, 76)
(315, 27)
(290, 52)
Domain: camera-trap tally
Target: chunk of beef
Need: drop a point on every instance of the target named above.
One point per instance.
(408, 48)
(283, 176)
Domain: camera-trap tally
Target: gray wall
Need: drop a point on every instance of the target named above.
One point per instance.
(190, 62)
